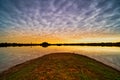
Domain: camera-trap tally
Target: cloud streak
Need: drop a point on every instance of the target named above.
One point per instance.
(60, 18)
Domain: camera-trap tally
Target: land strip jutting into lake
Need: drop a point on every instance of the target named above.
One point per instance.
(61, 66)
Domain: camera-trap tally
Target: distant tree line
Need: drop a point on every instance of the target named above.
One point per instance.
(46, 44)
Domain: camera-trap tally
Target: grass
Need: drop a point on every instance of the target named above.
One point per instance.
(61, 66)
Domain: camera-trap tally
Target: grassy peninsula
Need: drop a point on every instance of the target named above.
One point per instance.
(61, 66)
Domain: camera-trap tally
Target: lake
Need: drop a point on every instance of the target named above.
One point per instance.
(11, 56)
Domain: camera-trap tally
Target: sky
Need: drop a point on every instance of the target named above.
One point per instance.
(59, 20)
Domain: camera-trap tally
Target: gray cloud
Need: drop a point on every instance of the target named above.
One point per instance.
(55, 17)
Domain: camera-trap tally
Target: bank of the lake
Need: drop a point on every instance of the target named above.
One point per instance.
(61, 66)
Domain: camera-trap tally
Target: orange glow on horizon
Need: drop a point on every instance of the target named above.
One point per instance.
(98, 40)
(58, 39)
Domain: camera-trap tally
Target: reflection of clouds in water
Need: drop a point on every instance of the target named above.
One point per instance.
(53, 17)
(115, 59)
(111, 60)
(12, 56)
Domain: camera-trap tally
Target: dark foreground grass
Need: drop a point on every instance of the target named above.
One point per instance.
(61, 66)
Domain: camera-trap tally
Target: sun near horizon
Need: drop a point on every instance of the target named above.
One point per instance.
(20, 39)
(59, 21)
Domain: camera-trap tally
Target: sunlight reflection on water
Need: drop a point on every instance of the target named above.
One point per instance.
(11, 56)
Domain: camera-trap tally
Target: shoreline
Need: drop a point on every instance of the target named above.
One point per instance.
(89, 57)
(57, 63)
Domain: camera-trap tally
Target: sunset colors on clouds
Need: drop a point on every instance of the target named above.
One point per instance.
(59, 20)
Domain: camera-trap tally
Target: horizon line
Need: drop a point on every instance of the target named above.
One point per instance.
(46, 44)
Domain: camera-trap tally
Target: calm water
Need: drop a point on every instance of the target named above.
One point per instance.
(11, 56)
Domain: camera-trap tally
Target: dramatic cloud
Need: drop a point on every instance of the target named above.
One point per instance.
(58, 18)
